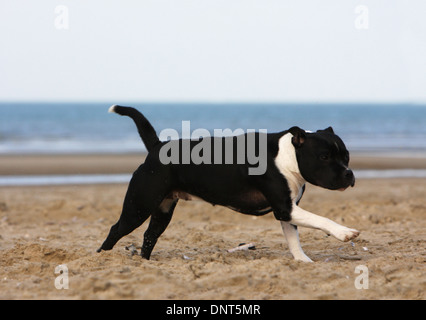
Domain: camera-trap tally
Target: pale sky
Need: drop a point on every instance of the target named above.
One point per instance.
(213, 51)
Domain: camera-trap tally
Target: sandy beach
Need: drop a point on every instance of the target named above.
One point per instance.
(44, 227)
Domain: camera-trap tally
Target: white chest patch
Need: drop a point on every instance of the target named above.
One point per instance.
(286, 163)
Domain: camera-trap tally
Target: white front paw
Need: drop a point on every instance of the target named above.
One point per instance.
(345, 234)
(302, 257)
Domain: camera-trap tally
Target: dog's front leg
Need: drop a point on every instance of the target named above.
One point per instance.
(292, 236)
(303, 218)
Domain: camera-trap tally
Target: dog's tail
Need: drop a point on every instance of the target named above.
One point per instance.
(145, 129)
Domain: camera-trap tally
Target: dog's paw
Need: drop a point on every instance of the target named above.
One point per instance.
(345, 234)
(303, 258)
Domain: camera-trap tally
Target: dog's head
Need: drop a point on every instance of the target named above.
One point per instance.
(322, 158)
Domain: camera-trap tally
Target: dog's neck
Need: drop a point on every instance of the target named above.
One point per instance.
(287, 164)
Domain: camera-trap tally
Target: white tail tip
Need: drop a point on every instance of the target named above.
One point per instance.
(112, 108)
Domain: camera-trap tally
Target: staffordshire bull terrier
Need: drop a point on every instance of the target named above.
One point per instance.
(293, 157)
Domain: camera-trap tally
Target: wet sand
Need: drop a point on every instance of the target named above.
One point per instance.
(126, 163)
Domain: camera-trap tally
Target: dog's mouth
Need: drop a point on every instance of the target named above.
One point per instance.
(352, 184)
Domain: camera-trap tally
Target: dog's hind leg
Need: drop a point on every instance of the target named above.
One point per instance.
(144, 196)
(130, 219)
(160, 219)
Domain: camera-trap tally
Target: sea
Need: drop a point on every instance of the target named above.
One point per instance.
(87, 127)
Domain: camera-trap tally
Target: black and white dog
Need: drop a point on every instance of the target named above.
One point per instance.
(293, 157)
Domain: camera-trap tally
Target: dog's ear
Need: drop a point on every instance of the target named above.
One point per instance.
(299, 136)
(327, 130)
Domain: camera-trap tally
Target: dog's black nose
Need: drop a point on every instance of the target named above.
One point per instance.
(349, 175)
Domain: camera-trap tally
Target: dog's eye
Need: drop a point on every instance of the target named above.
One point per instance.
(324, 157)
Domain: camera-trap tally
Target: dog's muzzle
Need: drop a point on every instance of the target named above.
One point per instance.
(349, 178)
